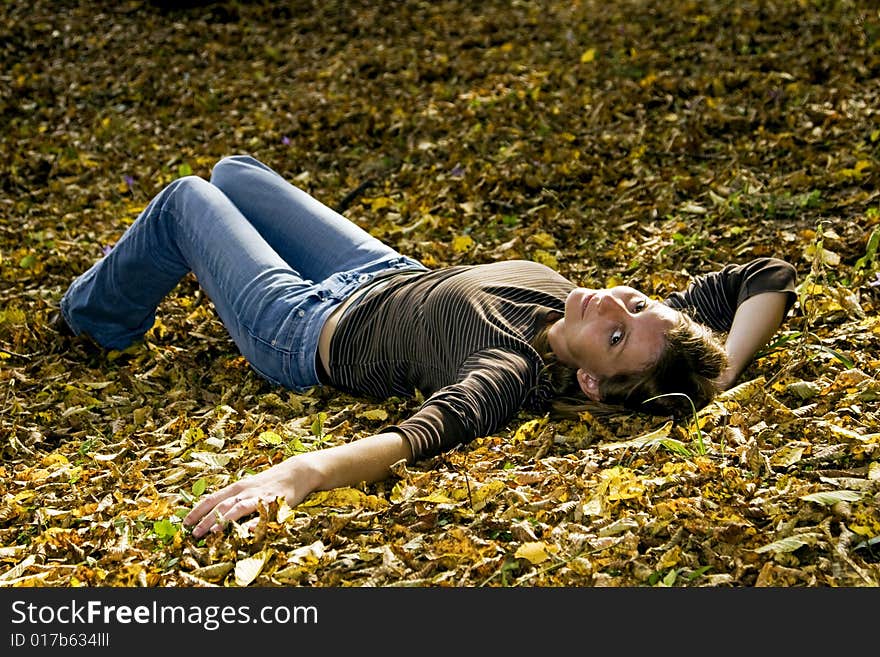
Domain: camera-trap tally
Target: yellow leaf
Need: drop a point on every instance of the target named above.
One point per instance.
(863, 530)
(402, 491)
(52, 459)
(17, 571)
(648, 80)
(588, 55)
(622, 484)
(649, 438)
(544, 240)
(485, 493)
(545, 258)
(214, 572)
(616, 483)
(436, 498)
(528, 430)
(670, 558)
(832, 497)
(380, 202)
(212, 459)
(788, 454)
(307, 554)
(826, 257)
(535, 551)
(246, 570)
(284, 512)
(744, 391)
(593, 506)
(462, 243)
(345, 497)
(374, 414)
(291, 574)
(803, 389)
(790, 543)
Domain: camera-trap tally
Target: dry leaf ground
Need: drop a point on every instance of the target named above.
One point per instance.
(639, 142)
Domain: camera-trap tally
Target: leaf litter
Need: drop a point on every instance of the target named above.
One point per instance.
(641, 143)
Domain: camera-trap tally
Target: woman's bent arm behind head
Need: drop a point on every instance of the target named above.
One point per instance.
(755, 322)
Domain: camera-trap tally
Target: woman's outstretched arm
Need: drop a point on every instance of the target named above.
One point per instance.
(755, 322)
(365, 460)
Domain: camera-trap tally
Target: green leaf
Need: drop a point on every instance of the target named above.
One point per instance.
(270, 438)
(676, 446)
(184, 170)
(670, 577)
(165, 529)
(199, 487)
(870, 251)
(699, 572)
(318, 424)
(847, 362)
(296, 446)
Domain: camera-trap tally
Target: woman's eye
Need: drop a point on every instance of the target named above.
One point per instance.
(640, 306)
(616, 336)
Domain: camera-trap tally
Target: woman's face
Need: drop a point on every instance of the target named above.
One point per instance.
(606, 332)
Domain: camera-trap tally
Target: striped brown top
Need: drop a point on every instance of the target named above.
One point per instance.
(462, 337)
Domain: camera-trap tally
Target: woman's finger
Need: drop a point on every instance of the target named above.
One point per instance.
(212, 520)
(228, 510)
(210, 502)
(241, 506)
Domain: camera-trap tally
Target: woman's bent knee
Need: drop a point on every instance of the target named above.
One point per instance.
(229, 165)
(190, 185)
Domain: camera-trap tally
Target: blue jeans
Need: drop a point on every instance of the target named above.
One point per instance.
(274, 261)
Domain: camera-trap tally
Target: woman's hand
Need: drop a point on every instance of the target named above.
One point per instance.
(290, 479)
(366, 460)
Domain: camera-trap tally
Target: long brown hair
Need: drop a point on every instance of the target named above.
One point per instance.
(692, 357)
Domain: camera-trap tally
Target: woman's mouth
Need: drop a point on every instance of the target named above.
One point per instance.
(585, 303)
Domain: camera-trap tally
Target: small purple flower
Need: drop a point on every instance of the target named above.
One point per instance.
(106, 249)
(457, 171)
(876, 281)
(129, 181)
(285, 140)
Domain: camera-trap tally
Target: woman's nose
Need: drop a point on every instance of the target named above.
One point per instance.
(607, 303)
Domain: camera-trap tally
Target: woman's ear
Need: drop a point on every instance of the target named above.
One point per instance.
(589, 385)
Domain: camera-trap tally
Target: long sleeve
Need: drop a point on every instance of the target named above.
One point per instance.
(492, 388)
(712, 299)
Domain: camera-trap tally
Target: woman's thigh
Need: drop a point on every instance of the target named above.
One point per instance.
(273, 314)
(311, 237)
